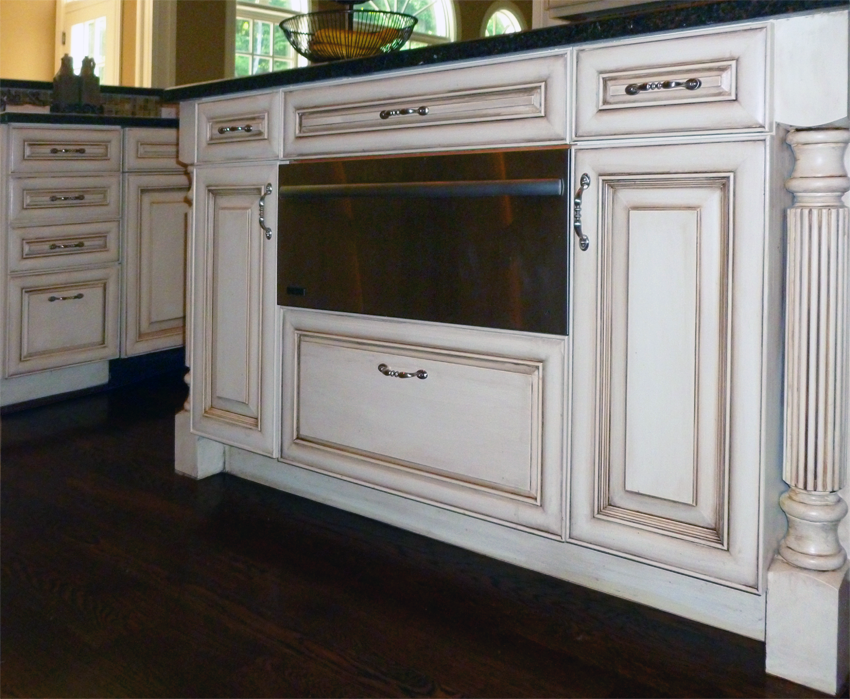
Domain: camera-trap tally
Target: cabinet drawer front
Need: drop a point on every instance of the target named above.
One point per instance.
(699, 83)
(62, 319)
(150, 149)
(75, 244)
(65, 150)
(240, 128)
(519, 103)
(43, 200)
(457, 428)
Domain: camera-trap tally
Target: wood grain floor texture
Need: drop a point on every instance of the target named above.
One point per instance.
(122, 579)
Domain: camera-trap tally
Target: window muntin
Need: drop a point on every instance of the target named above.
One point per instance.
(437, 22)
(502, 17)
(260, 46)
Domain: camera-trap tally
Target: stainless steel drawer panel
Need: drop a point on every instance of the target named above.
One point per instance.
(37, 201)
(57, 150)
(46, 247)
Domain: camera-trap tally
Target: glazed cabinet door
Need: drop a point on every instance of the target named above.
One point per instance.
(233, 383)
(668, 302)
(156, 209)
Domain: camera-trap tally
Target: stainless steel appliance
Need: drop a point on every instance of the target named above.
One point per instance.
(470, 238)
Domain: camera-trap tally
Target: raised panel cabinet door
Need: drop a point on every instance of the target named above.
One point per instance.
(233, 380)
(665, 450)
(156, 210)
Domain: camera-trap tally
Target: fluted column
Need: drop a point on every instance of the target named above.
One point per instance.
(816, 345)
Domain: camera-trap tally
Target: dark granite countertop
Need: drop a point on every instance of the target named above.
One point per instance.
(85, 120)
(664, 17)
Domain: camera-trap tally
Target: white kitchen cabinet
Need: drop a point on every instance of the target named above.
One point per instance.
(240, 128)
(155, 225)
(234, 387)
(465, 418)
(667, 376)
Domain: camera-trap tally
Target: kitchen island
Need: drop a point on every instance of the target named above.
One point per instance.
(648, 452)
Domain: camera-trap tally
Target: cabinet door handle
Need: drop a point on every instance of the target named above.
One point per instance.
(230, 129)
(266, 229)
(65, 298)
(583, 241)
(55, 151)
(76, 197)
(63, 246)
(386, 371)
(689, 84)
(387, 113)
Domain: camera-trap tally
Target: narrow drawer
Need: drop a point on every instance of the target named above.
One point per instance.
(52, 150)
(460, 429)
(46, 200)
(240, 128)
(47, 247)
(150, 149)
(62, 319)
(691, 84)
(516, 103)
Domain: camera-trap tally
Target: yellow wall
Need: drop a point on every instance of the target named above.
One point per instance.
(128, 42)
(26, 39)
(200, 40)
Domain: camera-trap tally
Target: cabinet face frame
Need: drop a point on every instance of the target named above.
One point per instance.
(234, 366)
(716, 534)
(154, 261)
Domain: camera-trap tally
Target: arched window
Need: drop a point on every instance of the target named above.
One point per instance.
(502, 17)
(260, 46)
(437, 23)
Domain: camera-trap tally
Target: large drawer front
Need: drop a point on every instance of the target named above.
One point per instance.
(700, 83)
(62, 319)
(76, 244)
(240, 128)
(46, 200)
(457, 428)
(517, 103)
(55, 149)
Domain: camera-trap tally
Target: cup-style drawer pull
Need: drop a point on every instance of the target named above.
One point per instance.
(386, 371)
(231, 129)
(76, 197)
(65, 298)
(65, 246)
(387, 113)
(689, 84)
(56, 151)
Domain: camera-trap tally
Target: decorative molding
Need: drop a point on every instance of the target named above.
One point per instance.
(816, 345)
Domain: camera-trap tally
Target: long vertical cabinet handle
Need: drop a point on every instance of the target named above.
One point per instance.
(266, 229)
(583, 241)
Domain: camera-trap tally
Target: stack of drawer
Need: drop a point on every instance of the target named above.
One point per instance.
(63, 255)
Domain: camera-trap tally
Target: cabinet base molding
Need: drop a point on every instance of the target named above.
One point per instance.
(808, 625)
(54, 382)
(733, 610)
(194, 456)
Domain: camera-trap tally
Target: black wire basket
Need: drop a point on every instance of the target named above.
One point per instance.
(339, 34)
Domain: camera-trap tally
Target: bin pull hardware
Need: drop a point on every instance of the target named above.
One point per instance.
(386, 371)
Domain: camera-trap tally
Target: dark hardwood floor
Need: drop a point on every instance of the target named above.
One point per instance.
(120, 578)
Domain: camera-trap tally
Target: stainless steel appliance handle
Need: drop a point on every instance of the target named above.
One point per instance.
(386, 371)
(583, 241)
(262, 207)
(689, 84)
(434, 190)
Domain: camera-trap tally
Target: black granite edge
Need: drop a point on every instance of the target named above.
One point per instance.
(86, 120)
(670, 16)
(104, 89)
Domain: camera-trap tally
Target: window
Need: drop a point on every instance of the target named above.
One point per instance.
(502, 17)
(436, 25)
(260, 45)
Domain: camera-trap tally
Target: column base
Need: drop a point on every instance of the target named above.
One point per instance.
(808, 625)
(194, 456)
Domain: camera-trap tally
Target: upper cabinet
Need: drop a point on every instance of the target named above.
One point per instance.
(705, 83)
(516, 103)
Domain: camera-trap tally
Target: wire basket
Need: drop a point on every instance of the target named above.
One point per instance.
(338, 34)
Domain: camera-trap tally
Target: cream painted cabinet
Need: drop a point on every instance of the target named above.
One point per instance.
(234, 301)
(667, 356)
